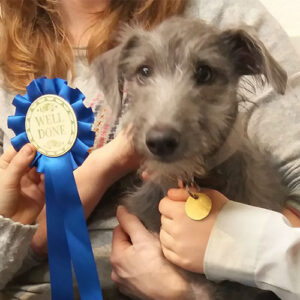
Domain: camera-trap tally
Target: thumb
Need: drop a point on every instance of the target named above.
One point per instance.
(178, 194)
(120, 241)
(20, 163)
(131, 225)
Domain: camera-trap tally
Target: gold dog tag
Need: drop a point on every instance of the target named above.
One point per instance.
(51, 125)
(198, 209)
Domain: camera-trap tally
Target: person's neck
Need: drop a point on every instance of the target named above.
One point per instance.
(78, 16)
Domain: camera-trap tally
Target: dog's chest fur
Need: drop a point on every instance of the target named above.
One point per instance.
(246, 179)
(242, 177)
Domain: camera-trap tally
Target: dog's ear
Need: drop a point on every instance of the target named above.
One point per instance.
(111, 66)
(109, 79)
(250, 57)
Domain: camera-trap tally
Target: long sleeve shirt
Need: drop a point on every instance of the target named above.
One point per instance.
(256, 247)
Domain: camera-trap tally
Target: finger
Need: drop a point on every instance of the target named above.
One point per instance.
(39, 240)
(34, 176)
(20, 162)
(169, 208)
(120, 241)
(167, 240)
(180, 184)
(28, 211)
(171, 256)
(115, 278)
(167, 224)
(131, 224)
(34, 192)
(7, 156)
(41, 185)
(178, 194)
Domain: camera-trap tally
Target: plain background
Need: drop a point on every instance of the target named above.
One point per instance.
(287, 12)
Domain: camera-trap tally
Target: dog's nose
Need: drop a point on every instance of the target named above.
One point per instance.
(162, 142)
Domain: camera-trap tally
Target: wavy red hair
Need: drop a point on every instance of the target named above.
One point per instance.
(34, 42)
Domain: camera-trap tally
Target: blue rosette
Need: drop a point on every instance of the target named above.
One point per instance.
(68, 240)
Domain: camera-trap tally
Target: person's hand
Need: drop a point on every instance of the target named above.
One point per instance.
(21, 188)
(184, 240)
(139, 267)
(105, 166)
(100, 170)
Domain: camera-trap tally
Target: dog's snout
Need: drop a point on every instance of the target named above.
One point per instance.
(162, 141)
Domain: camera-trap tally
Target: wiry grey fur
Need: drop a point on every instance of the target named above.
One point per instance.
(210, 141)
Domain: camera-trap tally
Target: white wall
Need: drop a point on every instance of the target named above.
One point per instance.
(287, 12)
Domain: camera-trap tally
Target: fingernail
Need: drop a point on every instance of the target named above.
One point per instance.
(27, 149)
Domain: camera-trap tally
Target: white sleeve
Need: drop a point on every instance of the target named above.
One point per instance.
(15, 239)
(256, 247)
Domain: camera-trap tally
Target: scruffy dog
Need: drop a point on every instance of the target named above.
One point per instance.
(183, 80)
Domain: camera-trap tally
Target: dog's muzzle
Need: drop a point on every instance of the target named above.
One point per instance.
(162, 141)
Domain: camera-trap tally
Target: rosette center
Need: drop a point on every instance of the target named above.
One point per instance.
(51, 125)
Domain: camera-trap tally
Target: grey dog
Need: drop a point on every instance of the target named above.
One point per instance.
(183, 82)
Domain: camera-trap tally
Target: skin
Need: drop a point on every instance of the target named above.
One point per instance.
(21, 188)
(23, 198)
(179, 244)
(131, 270)
(113, 161)
(130, 237)
(133, 248)
(78, 16)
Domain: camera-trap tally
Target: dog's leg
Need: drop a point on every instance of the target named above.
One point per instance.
(143, 202)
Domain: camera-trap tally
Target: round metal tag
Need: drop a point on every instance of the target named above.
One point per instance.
(51, 125)
(198, 209)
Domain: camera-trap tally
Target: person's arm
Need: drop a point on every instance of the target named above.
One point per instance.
(256, 247)
(100, 170)
(17, 210)
(15, 239)
(235, 242)
(138, 265)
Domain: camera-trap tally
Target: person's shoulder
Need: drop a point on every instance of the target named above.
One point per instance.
(225, 12)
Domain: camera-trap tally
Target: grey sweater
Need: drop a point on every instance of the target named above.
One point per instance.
(273, 123)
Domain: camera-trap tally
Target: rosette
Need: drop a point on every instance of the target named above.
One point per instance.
(53, 118)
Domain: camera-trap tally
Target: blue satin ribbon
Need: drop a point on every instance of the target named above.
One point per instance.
(68, 240)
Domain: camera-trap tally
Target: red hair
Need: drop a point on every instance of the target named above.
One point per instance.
(34, 42)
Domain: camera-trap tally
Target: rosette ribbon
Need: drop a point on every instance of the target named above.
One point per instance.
(68, 240)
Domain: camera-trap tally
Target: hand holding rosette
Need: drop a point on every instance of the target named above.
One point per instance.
(52, 117)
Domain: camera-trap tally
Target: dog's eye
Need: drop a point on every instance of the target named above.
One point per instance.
(203, 74)
(144, 71)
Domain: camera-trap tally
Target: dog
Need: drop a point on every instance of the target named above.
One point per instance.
(183, 81)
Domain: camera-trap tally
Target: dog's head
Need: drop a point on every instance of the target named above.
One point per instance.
(182, 82)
